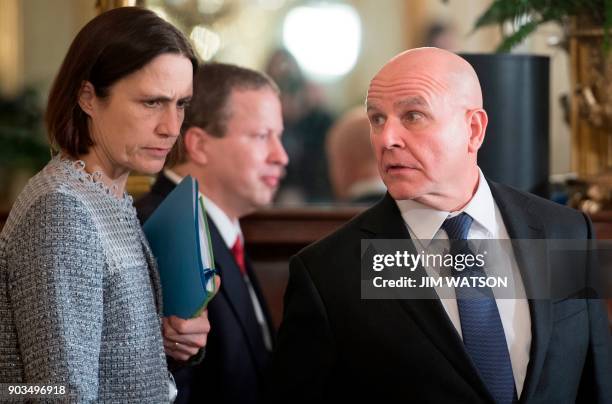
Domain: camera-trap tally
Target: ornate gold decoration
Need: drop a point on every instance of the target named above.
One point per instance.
(591, 109)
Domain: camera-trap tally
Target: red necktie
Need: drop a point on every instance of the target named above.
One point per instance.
(238, 253)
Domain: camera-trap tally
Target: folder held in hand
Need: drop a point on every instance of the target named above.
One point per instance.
(183, 251)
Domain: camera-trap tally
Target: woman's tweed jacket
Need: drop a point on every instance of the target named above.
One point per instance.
(79, 293)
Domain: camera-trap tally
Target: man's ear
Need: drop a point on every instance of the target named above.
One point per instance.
(86, 97)
(196, 141)
(477, 121)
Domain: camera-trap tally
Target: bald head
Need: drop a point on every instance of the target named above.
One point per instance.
(427, 124)
(445, 71)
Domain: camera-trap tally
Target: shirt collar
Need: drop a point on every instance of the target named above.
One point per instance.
(172, 176)
(229, 229)
(424, 221)
(482, 207)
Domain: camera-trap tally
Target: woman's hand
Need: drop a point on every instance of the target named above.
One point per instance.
(184, 338)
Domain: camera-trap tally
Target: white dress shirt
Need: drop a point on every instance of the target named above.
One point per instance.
(424, 224)
(230, 231)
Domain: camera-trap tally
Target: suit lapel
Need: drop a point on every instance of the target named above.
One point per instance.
(523, 224)
(385, 222)
(235, 292)
(260, 297)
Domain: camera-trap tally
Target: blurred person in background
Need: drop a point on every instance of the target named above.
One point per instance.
(80, 298)
(353, 169)
(440, 34)
(306, 122)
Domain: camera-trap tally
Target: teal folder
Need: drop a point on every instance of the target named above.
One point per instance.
(183, 251)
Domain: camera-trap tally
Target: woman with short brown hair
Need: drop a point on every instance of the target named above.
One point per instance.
(79, 293)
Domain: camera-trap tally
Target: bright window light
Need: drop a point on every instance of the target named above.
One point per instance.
(324, 38)
(205, 41)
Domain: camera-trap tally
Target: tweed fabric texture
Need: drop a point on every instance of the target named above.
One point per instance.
(79, 294)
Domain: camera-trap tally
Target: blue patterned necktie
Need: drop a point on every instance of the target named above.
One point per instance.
(481, 326)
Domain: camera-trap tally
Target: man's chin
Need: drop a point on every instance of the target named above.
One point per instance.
(263, 200)
(403, 194)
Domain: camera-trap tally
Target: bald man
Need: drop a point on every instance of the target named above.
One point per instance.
(427, 125)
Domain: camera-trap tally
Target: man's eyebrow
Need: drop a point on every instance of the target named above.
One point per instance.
(412, 101)
(370, 106)
(406, 102)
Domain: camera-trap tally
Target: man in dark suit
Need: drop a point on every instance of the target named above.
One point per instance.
(427, 124)
(231, 145)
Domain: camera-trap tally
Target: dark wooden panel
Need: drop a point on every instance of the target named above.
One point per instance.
(603, 228)
(603, 224)
(279, 233)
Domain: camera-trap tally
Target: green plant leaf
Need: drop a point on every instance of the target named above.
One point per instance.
(499, 12)
(527, 15)
(518, 36)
